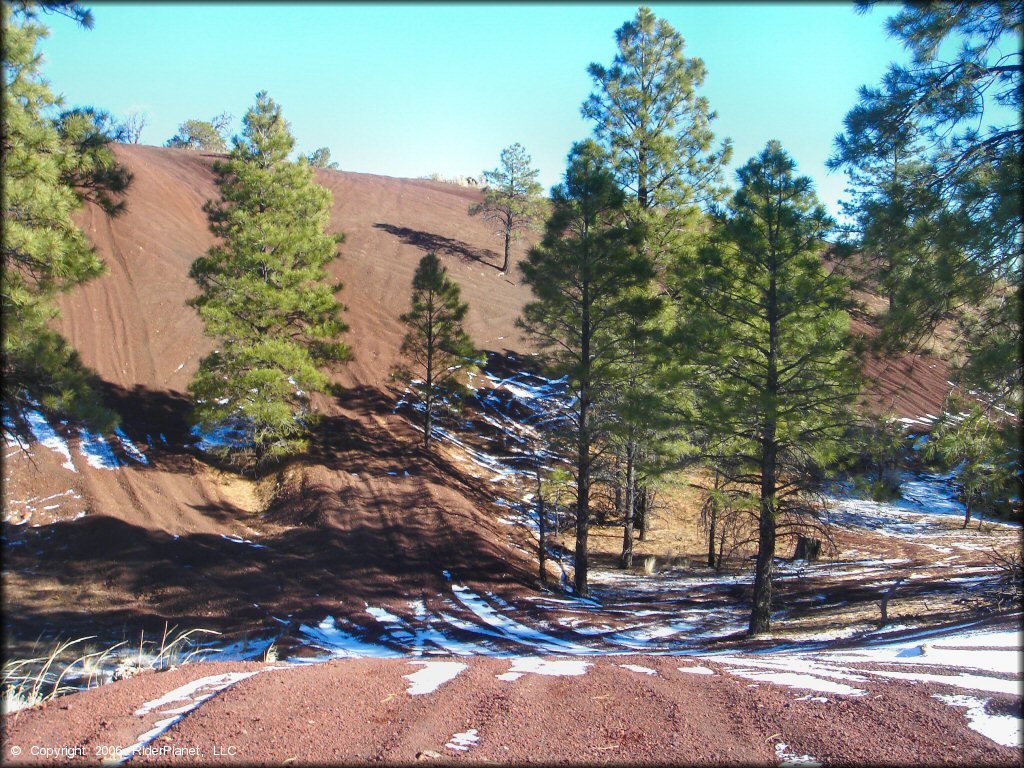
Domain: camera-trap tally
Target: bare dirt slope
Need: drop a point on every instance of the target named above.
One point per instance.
(133, 328)
(153, 533)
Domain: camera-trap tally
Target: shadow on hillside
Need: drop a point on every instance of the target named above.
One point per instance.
(442, 245)
(103, 574)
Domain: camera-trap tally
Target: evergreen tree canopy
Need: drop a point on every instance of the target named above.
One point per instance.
(586, 277)
(764, 326)
(202, 135)
(512, 197)
(436, 345)
(657, 129)
(47, 170)
(984, 451)
(321, 158)
(96, 176)
(935, 155)
(265, 296)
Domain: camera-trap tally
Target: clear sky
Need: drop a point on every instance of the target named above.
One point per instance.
(410, 89)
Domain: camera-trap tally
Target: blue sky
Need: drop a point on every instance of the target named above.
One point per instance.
(409, 89)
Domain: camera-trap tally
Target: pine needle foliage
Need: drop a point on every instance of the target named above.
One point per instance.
(648, 113)
(587, 276)
(766, 329)
(935, 154)
(439, 351)
(48, 169)
(265, 296)
(512, 198)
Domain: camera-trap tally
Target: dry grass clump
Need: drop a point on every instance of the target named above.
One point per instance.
(30, 682)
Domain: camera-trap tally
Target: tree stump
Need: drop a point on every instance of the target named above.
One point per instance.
(807, 549)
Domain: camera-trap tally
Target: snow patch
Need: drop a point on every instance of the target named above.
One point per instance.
(1006, 730)
(638, 668)
(539, 666)
(45, 434)
(697, 670)
(463, 741)
(96, 450)
(433, 675)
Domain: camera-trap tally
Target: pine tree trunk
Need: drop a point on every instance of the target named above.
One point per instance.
(712, 528)
(643, 496)
(428, 409)
(583, 450)
(967, 510)
(618, 487)
(626, 561)
(508, 247)
(760, 613)
(582, 525)
(542, 533)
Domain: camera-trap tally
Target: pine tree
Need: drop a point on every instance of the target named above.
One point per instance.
(765, 326)
(436, 344)
(979, 448)
(203, 135)
(321, 158)
(585, 276)
(265, 296)
(511, 198)
(648, 114)
(657, 129)
(47, 172)
(955, 113)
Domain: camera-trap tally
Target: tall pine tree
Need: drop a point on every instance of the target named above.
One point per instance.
(585, 276)
(48, 169)
(765, 325)
(512, 198)
(265, 296)
(436, 345)
(649, 115)
(657, 129)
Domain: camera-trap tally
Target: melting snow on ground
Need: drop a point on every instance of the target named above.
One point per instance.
(637, 668)
(539, 666)
(463, 741)
(188, 697)
(1002, 729)
(786, 757)
(45, 434)
(96, 450)
(433, 675)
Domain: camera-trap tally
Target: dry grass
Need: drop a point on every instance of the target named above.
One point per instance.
(30, 682)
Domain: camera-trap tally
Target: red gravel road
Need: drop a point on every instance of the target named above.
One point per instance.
(360, 710)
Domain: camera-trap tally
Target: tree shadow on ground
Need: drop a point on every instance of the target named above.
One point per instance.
(441, 245)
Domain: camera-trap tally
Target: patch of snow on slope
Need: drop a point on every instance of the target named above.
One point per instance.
(193, 694)
(539, 666)
(45, 434)
(640, 669)
(433, 675)
(340, 643)
(1006, 730)
(96, 450)
(463, 741)
(697, 670)
(130, 448)
(787, 757)
(513, 630)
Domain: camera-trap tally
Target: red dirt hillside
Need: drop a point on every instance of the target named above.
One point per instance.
(366, 514)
